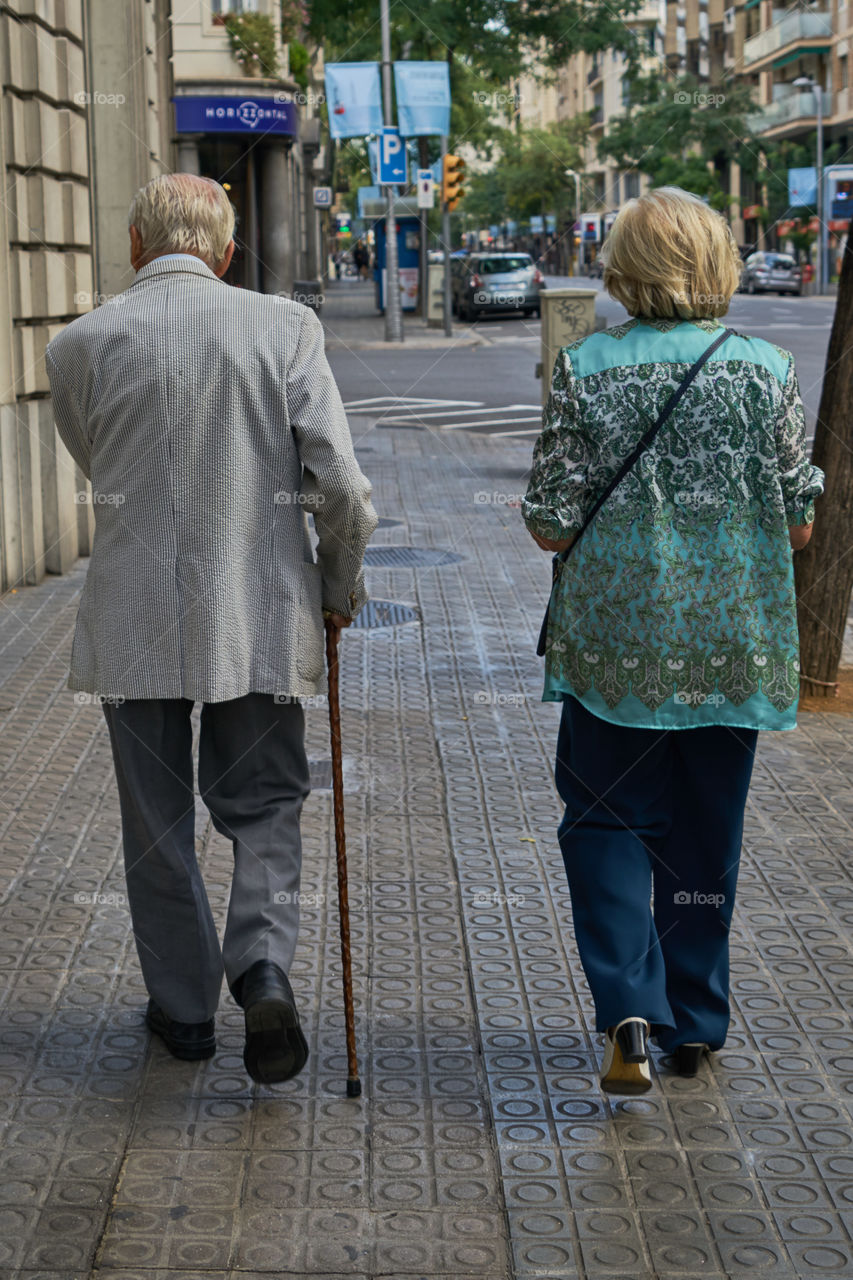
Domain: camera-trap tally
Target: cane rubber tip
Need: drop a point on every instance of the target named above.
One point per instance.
(354, 1087)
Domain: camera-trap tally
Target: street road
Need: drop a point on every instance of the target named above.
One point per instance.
(493, 388)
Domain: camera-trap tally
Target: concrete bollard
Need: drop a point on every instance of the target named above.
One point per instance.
(567, 314)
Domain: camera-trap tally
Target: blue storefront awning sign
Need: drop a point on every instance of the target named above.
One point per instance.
(205, 114)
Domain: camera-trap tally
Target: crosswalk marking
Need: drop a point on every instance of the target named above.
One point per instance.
(444, 415)
(378, 403)
(489, 422)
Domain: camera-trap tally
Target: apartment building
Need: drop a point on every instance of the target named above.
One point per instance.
(797, 59)
(99, 96)
(257, 135)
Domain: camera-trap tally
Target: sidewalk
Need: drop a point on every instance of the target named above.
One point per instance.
(482, 1146)
(350, 319)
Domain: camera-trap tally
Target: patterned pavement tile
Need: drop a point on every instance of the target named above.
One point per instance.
(481, 1146)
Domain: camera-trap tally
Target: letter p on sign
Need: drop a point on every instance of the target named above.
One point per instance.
(392, 158)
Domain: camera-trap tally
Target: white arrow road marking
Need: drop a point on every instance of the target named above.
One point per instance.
(403, 402)
(414, 415)
(490, 422)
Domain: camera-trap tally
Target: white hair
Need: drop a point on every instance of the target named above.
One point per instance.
(183, 213)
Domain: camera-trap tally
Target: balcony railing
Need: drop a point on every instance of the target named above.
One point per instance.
(796, 106)
(787, 28)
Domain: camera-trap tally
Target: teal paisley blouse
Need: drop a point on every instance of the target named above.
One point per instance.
(676, 609)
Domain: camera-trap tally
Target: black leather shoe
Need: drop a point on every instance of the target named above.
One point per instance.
(276, 1050)
(190, 1041)
(688, 1058)
(625, 1068)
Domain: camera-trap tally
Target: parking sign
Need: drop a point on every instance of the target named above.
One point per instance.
(392, 157)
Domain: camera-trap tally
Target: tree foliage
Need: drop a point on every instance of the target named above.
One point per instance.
(491, 36)
(487, 44)
(682, 132)
(529, 175)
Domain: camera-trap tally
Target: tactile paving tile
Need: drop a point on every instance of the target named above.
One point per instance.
(482, 1146)
(693, 1179)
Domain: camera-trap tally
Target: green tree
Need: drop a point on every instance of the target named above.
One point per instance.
(487, 44)
(681, 132)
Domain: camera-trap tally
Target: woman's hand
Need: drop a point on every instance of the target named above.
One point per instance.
(799, 535)
(551, 544)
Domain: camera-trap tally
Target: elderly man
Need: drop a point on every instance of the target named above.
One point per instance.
(209, 424)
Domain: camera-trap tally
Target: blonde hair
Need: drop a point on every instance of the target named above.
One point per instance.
(668, 254)
(183, 213)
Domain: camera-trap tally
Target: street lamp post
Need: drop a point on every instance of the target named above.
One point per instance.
(804, 82)
(393, 302)
(572, 173)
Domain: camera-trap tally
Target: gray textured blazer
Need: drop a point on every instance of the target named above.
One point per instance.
(209, 423)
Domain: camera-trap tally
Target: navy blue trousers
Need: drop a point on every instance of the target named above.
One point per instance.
(654, 814)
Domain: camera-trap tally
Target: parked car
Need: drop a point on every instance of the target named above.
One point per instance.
(490, 283)
(771, 272)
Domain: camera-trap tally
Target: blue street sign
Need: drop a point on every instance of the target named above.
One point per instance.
(392, 157)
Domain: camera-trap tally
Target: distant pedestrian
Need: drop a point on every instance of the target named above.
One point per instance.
(672, 636)
(209, 423)
(361, 259)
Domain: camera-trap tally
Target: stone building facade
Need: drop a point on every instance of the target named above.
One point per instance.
(90, 93)
(82, 123)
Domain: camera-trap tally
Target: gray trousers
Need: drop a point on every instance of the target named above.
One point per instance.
(253, 777)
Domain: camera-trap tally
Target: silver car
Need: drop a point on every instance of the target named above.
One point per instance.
(771, 273)
(489, 283)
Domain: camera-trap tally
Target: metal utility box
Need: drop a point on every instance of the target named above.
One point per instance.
(567, 314)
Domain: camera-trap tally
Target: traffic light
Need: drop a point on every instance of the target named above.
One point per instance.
(453, 175)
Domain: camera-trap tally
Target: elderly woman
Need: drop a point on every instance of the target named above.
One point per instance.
(672, 634)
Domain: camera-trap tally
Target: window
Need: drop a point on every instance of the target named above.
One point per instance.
(842, 72)
(500, 266)
(233, 6)
(632, 185)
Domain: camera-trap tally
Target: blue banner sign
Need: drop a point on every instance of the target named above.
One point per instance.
(802, 186)
(423, 98)
(353, 98)
(236, 115)
(367, 194)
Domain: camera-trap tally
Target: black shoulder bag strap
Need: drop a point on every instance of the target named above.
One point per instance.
(636, 453)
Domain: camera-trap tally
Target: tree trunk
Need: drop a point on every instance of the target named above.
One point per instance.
(824, 569)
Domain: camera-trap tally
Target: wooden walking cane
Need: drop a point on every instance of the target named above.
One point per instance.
(332, 636)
